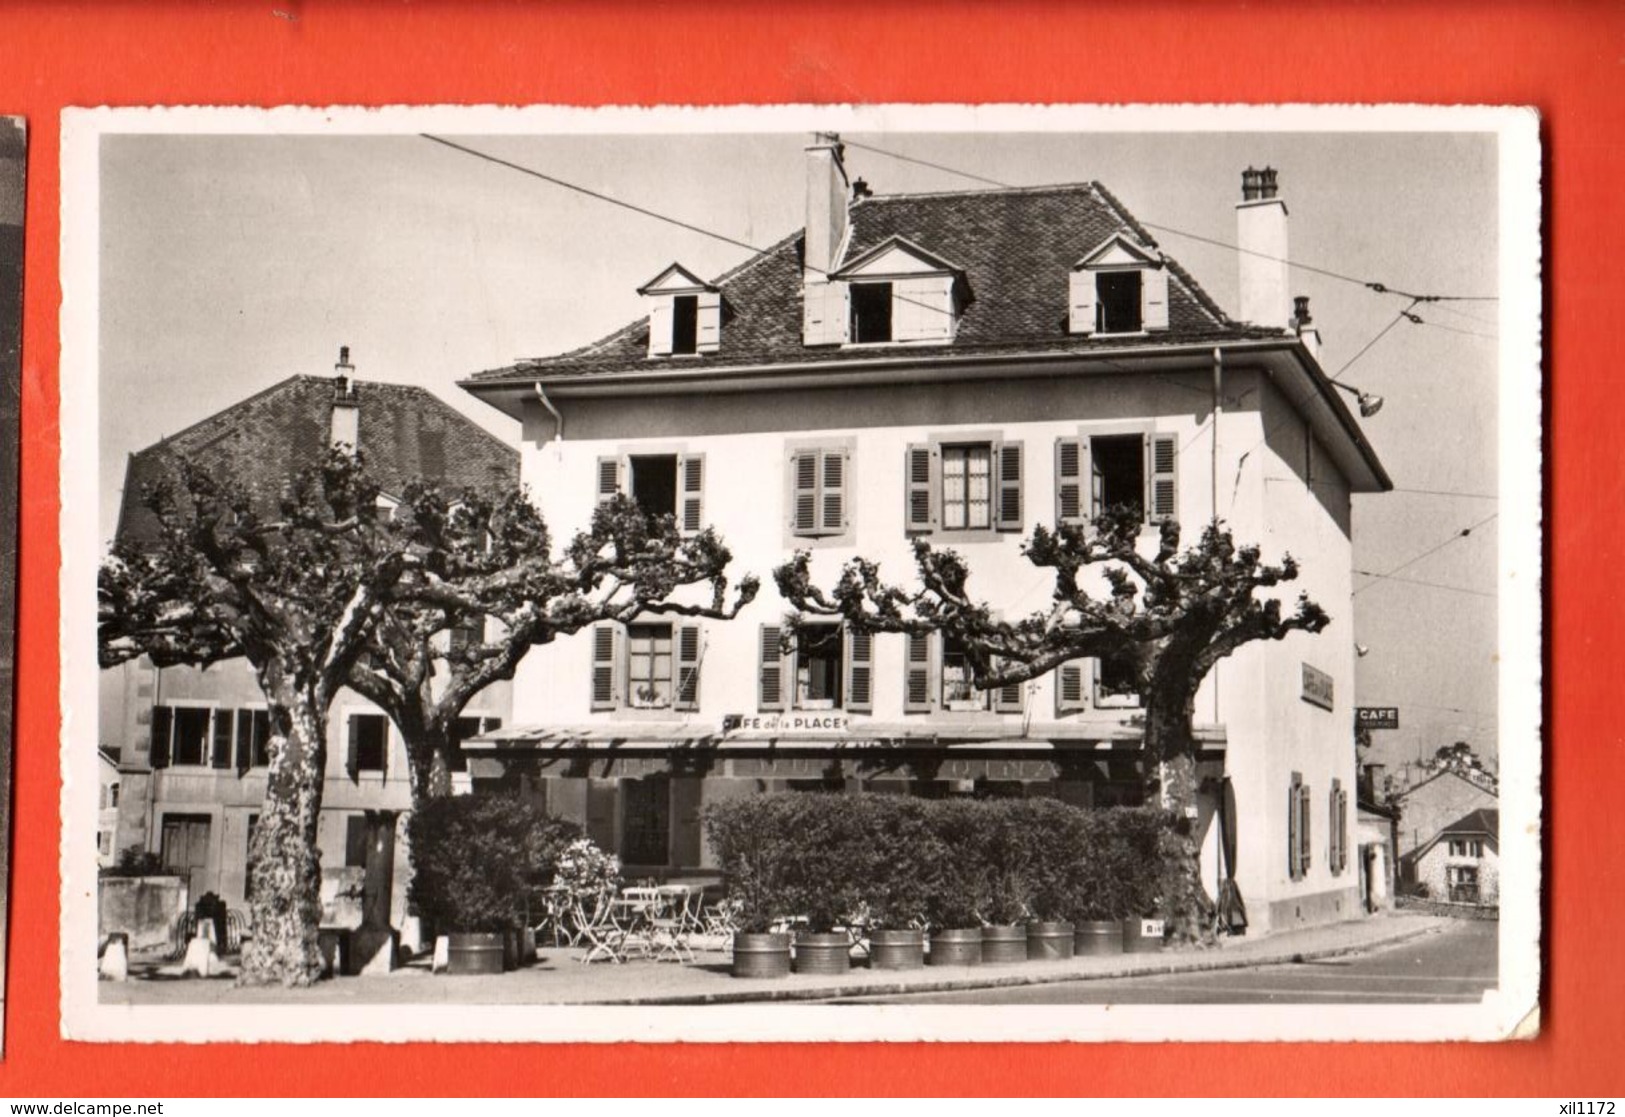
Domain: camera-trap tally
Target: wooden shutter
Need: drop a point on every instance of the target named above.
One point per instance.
(691, 491)
(660, 319)
(920, 467)
(685, 686)
(1009, 480)
(163, 720)
(1294, 829)
(832, 492)
(1070, 454)
(917, 665)
(708, 322)
(860, 672)
(1070, 695)
(1162, 482)
(1154, 298)
(609, 479)
(1333, 854)
(825, 310)
(804, 492)
(1007, 698)
(1097, 482)
(352, 746)
(245, 741)
(220, 731)
(923, 309)
(1342, 830)
(1305, 814)
(770, 669)
(1080, 316)
(605, 667)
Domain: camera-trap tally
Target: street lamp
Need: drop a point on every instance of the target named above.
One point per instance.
(1369, 404)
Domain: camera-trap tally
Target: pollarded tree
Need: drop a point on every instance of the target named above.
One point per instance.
(497, 585)
(1167, 619)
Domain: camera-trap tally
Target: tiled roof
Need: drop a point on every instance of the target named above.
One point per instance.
(1017, 248)
(1484, 820)
(405, 432)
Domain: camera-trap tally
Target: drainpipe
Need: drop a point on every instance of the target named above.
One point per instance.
(558, 435)
(1218, 409)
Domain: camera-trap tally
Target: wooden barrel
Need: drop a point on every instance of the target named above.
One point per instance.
(480, 952)
(956, 947)
(1098, 936)
(1142, 936)
(761, 955)
(1050, 941)
(1004, 943)
(822, 952)
(896, 950)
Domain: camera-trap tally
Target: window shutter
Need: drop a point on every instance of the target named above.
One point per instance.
(923, 309)
(1154, 298)
(1342, 829)
(804, 492)
(1011, 475)
(824, 313)
(1161, 498)
(1306, 856)
(660, 316)
(1069, 456)
(1080, 316)
(605, 679)
(220, 752)
(261, 757)
(162, 721)
(352, 750)
(708, 322)
(691, 489)
(917, 675)
(245, 741)
(1097, 482)
(686, 664)
(609, 479)
(1331, 828)
(1069, 688)
(860, 672)
(1294, 862)
(770, 669)
(919, 468)
(1007, 698)
(832, 496)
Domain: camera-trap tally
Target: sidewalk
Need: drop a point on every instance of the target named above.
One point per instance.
(558, 978)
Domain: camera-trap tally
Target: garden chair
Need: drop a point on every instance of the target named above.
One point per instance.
(671, 921)
(597, 927)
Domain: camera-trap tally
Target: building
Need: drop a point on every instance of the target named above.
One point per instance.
(1460, 864)
(959, 367)
(107, 784)
(1428, 806)
(192, 742)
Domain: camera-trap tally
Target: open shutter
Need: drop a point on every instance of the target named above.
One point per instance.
(605, 677)
(220, 750)
(660, 317)
(825, 310)
(1161, 498)
(832, 496)
(923, 309)
(1333, 857)
(1306, 854)
(917, 674)
(1097, 482)
(352, 746)
(245, 741)
(708, 322)
(163, 718)
(690, 491)
(920, 465)
(1080, 315)
(770, 669)
(686, 663)
(1342, 830)
(609, 479)
(1011, 475)
(804, 492)
(1154, 298)
(1069, 688)
(1069, 458)
(860, 672)
(1294, 863)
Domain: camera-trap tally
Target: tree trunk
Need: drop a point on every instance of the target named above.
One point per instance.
(286, 874)
(428, 744)
(1171, 744)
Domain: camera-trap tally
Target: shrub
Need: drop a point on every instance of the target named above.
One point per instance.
(133, 861)
(960, 884)
(477, 860)
(755, 845)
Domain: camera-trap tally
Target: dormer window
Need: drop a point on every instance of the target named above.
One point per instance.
(896, 292)
(1119, 288)
(685, 314)
(871, 312)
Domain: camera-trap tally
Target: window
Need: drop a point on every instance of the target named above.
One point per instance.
(819, 481)
(829, 667)
(685, 321)
(109, 799)
(253, 739)
(1102, 472)
(195, 736)
(646, 821)
(967, 487)
(819, 668)
(1298, 828)
(368, 744)
(467, 634)
(938, 675)
(649, 665)
(963, 486)
(1116, 685)
(646, 666)
(1462, 881)
(191, 740)
(958, 689)
(1466, 848)
(1117, 302)
(871, 313)
(654, 483)
(661, 484)
(104, 842)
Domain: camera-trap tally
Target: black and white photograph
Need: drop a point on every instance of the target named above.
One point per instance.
(938, 572)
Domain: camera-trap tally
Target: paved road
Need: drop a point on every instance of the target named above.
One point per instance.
(1452, 967)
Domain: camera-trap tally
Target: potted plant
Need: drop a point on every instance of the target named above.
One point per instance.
(1143, 838)
(1054, 836)
(960, 887)
(820, 886)
(903, 845)
(1007, 852)
(753, 848)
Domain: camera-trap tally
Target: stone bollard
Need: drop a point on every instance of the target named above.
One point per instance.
(115, 960)
(200, 956)
(442, 955)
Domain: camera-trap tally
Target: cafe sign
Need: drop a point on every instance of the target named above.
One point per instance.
(1317, 687)
(802, 722)
(1376, 717)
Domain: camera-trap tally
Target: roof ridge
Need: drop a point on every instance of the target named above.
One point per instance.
(164, 440)
(1047, 188)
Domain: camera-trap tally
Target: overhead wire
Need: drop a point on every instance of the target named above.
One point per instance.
(1462, 534)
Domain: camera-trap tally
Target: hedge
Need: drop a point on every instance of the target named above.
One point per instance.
(946, 863)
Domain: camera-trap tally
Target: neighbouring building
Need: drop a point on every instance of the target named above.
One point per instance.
(1460, 864)
(1376, 840)
(957, 367)
(1429, 805)
(192, 742)
(107, 784)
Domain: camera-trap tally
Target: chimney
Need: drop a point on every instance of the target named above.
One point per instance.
(827, 191)
(1308, 332)
(1261, 237)
(346, 425)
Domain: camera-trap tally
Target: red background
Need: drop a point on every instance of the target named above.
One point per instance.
(1568, 60)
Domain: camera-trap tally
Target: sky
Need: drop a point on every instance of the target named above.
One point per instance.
(230, 262)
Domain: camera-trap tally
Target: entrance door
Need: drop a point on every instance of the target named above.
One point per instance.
(185, 850)
(646, 822)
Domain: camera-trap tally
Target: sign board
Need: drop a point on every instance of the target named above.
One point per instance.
(1317, 687)
(1376, 717)
(1151, 929)
(808, 721)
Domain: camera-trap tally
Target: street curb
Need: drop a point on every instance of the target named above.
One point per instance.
(1011, 981)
